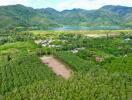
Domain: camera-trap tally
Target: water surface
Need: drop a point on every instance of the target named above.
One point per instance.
(87, 28)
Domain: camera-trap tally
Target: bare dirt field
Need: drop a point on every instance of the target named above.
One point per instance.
(58, 67)
(101, 35)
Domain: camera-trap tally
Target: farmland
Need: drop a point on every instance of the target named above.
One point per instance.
(100, 61)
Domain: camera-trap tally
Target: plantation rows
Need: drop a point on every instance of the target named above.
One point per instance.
(95, 85)
(22, 71)
(24, 77)
(121, 64)
(74, 61)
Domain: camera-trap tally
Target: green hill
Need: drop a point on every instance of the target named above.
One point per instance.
(19, 15)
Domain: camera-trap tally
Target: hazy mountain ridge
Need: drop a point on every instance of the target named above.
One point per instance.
(19, 15)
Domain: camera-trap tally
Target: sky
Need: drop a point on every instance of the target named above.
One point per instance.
(67, 4)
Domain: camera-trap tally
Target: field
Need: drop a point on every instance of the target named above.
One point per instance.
(100, 62)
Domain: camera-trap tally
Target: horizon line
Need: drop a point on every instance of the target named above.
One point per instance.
(61, 10)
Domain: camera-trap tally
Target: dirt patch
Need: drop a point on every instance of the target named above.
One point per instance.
(101, 35)
(58, 67)
(95, 35)
(99, 59)
(38, 41)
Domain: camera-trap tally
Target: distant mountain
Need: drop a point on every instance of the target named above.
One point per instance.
(120, 10)
(21, 16)
(124, 13)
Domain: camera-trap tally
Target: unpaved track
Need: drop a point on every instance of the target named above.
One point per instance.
(58, 67)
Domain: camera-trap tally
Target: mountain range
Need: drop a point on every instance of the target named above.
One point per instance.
(13, 16)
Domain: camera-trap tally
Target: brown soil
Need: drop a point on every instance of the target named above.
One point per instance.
(58, 67)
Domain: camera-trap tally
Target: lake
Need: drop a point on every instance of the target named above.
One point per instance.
(87, 28)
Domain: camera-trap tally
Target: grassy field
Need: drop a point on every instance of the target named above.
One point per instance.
(101, 65)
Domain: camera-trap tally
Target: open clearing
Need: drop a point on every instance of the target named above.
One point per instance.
(58, 67)
(101, 35)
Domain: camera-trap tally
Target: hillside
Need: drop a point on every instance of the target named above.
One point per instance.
(66, 65)
(19, 15)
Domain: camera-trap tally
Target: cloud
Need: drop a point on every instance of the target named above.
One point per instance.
(79, 4)
(32, 3)
(67, 4)
(12, 2)
(91, 4)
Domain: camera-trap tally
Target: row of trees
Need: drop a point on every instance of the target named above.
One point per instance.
(112, 45)
(10, 36)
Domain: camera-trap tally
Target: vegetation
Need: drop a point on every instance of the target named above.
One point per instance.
(101, 65)
(23, 70)
(95, 85)
(107, 17)
(100, 61)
